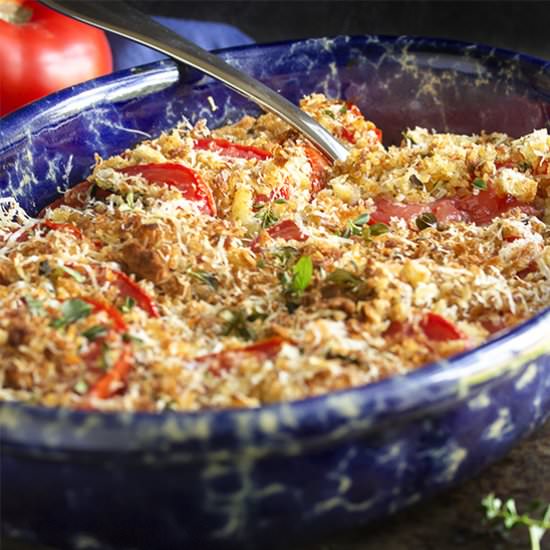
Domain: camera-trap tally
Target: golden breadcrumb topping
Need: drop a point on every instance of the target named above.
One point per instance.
(237, 267)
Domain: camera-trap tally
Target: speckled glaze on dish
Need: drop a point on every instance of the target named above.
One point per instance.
(294, 471)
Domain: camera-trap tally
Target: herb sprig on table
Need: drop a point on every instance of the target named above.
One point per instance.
(495, 508)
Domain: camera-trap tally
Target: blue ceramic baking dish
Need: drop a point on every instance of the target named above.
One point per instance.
(293, 471)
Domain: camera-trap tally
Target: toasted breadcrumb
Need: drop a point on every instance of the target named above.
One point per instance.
(210, 310)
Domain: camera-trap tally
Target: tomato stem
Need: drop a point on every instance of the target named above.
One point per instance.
(11, 11)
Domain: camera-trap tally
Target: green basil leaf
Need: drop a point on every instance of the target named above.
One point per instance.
(302, 273)
(71, 311)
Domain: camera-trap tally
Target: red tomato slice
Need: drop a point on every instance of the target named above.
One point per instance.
(347, 135)
(319, 165)
(531, 268)
(542, 168)
(128, 287)
(187, 181)
(493, 327)
(91, 357)
(119, 323)
(69, 227)
(53, 226)
(225, 360)
(229, 149)
(353, 109)
(480, 209)
(287, 230)
(439, 329)
(398, 328)
(445, 210)
(504, 164)
(118, 374)
(76, 197)
(386, 209)
(282, 192)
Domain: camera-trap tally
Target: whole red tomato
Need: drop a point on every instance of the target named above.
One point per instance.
(42, 51)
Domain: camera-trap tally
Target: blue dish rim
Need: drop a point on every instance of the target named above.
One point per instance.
(446, 379)
(26, 112)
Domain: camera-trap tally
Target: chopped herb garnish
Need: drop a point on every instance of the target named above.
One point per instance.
(361, 220)
(347, 282)
(256, 315)
(329, 113)
(285, 254)
(72, 311)
(266, 216)
(279, 201)
(131, 338)
(415, 181)
(343, 109)
(35, 306)
(236, 324)
(81, 387)
(128, 304)
(479, 183)
(97, 331)
(376, 229)
(206, 278)
(78, 277)
(44, 268)
(437, 189)
(355, 227)
(426, 220)
(105, 361)
(130, 199)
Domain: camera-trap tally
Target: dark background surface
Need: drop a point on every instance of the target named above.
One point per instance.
(521, 26)
(453, 520)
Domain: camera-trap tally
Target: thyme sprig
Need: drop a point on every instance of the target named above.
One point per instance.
(355, 227)
(495, 508)
(348, 283)
(264, 213)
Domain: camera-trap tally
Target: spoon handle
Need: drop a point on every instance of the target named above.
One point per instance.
(124, 20)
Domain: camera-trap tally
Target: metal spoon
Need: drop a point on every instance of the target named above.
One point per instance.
(121, 18)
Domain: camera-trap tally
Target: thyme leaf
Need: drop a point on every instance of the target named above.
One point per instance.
(94, 332)
(207, 278)
(347, 282)
(426, 220)
(236, 324)
(355, 227)
(71, 311)
(35, 306)
(128, 304)
(479, 183)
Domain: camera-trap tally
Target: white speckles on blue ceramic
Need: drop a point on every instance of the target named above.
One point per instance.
(295, 470)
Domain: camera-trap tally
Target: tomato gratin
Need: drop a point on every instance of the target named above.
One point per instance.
(238, 267)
